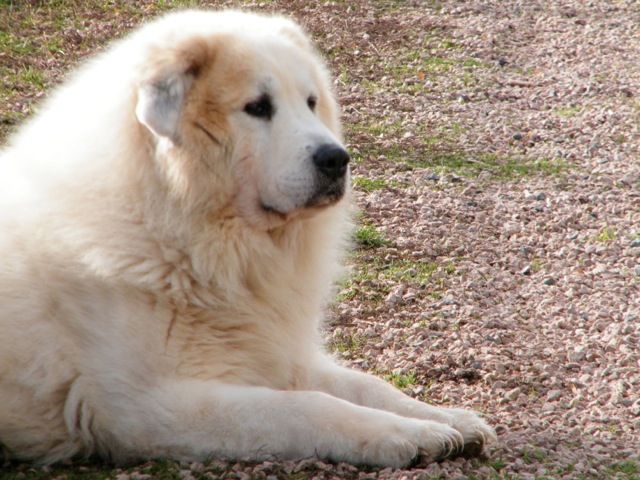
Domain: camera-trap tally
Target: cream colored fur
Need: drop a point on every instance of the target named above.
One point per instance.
(149, 306)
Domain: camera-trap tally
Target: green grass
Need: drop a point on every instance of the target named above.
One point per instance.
(31, 76)
(402, 380)
(606, 235)
(11, 44)
(409, 271)
(567, 112)
(154, 470)
(373, 278)
(500, 167)
(449, 44)
(620, 139)
(472, 63)
(415, 61)
(379, 128)
(440, 151)
(91, 472)
(497, 464)
(370, 185)
(630, 469)
(171, 4)
(417, 70)
(536, 265)
(345, 343)
(368, 236)
(533, 456)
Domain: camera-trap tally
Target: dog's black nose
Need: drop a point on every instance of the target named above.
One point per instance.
(331, 160)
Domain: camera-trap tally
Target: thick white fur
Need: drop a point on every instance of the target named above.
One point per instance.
(148, 305)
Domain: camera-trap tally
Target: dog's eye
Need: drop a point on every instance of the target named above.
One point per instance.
(311, 101)
(261, 108)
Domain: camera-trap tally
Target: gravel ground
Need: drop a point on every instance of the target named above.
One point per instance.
(497, 174)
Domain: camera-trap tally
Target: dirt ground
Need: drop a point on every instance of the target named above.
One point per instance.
(496, 265)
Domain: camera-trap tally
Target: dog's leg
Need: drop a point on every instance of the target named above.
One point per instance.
(370, 391)
(195, 420)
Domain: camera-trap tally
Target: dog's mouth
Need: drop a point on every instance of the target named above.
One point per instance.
(324, 200)
(313, 204)
(273, 211)
(328, 193)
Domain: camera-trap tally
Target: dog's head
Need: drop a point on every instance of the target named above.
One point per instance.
(242, 117)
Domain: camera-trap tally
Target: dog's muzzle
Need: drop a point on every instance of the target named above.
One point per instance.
(332, 164)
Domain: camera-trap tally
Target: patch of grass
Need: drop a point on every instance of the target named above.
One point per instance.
(347, 344)
(414, 64)
(449, 44)
(620, 139)
(468, 79)
(472, 63)
(378, 129)
(402, 380)
(497, 464)
(533, 456)
(501, 168)
(88, 472)
(371, 86)
(418, 70)
(387, 6)
(55, 45)
(11, 118)
(424, 137)
(360, 284)
(171, 4)
(31, 76)
(163, 470)
(343, 76)
(567, 112)
(436, 65)
(452, 131)
(11, 44)
(349, 291)
(536, 265)
(370, 185)
(368, 236)
(629, 468)
(435, 295)
(570, 467)
(410, 271)
(372, 279)
(441, 152)
(607, 234)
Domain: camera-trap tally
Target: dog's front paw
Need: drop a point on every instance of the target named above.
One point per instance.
(475, 432)
(408, 440)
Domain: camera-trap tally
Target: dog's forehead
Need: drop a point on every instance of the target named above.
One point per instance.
(281, 65)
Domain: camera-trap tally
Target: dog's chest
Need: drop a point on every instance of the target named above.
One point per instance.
(240, 347)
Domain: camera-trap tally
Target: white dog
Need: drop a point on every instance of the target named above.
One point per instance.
(170, 225)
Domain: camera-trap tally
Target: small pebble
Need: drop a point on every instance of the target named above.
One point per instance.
(554, 395)
(513, 394)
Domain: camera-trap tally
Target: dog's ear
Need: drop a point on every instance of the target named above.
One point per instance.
(296, 34)
(160, 104)
(168, 78)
